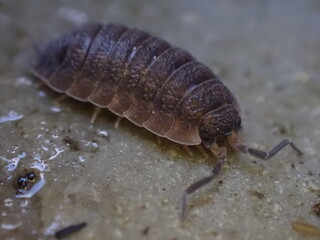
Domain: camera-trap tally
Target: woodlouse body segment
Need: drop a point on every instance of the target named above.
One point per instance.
(151, 83)
(64, 76)
(192, 108)
(116, 66)
(135, 75)
(97, 58)
(136, 68)
(146, 90)
(178, 85)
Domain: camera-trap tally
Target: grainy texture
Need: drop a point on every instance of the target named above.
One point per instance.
(143, 78)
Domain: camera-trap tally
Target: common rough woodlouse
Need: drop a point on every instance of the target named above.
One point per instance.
(151, 83)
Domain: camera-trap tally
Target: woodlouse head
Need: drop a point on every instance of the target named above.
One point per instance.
(217, 125)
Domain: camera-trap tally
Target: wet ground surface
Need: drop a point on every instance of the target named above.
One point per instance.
(124, 184)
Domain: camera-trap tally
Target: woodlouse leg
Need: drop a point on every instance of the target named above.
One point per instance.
(40, 84)
(61, 98)
(221, 154)
(117, 123)
(96, 112)
(188, 150)
(203, 151)
(236, 144)
(159, 140)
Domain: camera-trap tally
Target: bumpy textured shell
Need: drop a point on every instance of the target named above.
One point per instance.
(140, 77)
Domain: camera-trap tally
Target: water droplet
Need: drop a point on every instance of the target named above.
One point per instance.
(41, 94)
(103, 133)
(55, 109)
(82, 159)
(8, 202)
(10, 226)
(13, 163)
(12, 116)
(23, 81)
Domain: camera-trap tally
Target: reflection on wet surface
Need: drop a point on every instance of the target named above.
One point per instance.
(12, 116)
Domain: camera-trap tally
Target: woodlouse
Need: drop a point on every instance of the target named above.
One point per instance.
(151, 83)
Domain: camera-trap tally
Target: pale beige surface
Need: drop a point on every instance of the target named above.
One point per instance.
(125, 185)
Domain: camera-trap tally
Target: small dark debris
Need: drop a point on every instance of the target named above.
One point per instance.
(215, 234)
(31, 176)
(73, 144)
(316, 209)
(310, 173)
(22, 182)
(220, 182)
(143, 206)
(257, 194)
(106, 137)
(69, 230)
(282, 129)
(145, 231)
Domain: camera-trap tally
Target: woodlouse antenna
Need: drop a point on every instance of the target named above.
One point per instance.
(235, 142)
(221, 154)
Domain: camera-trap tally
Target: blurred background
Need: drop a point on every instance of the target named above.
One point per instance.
(122, 182)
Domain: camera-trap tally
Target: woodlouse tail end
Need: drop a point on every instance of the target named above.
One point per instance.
(47, 58)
